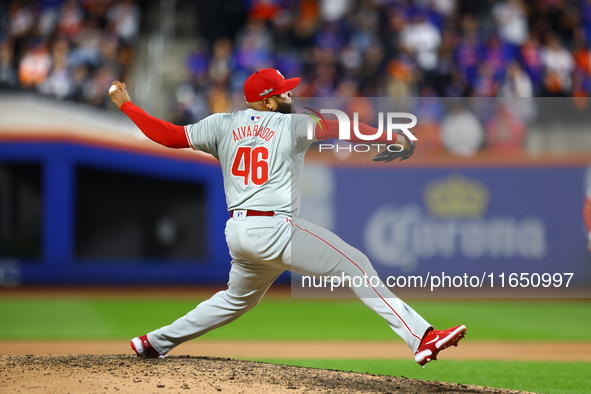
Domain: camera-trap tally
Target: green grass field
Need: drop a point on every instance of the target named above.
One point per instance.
(541, 377)
(89, 318)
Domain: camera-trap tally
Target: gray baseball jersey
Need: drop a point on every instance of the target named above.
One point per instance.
(261, 154)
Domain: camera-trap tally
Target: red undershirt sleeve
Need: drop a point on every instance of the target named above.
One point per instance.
(158, 130)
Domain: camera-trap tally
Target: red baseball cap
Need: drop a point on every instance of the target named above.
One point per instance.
(266, 83)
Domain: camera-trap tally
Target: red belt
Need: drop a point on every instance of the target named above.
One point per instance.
(255, 213)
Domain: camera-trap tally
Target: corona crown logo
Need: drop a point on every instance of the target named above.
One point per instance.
(456, 197)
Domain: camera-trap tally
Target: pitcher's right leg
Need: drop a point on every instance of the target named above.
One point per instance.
(317, 251)
(248, 284)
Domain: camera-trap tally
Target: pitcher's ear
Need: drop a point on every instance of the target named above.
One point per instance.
(268, 104)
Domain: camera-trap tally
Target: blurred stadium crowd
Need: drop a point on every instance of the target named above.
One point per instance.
(445, 48)
(67, 49)
(73, 49)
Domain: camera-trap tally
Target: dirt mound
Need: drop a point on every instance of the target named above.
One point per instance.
(182, 374)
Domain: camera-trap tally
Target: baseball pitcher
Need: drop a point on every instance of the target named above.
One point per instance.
(261, 151)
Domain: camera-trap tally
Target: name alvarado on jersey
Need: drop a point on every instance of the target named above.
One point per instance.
(252, 131)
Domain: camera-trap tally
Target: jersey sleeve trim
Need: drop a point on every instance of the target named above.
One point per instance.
(188, 135)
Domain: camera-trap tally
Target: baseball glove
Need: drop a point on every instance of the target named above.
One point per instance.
(395, 153)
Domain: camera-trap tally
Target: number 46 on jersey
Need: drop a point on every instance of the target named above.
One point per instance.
(251, 164)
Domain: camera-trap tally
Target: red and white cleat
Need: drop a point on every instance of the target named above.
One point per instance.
(143, 348)
(436, 340)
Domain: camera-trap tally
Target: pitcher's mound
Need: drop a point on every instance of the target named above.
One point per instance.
(183, 374)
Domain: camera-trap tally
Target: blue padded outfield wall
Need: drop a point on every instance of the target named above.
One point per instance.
(487, 219)
(407, 219)
(57, 261)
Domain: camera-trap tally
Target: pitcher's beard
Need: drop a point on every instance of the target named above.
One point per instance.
(285, 108)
